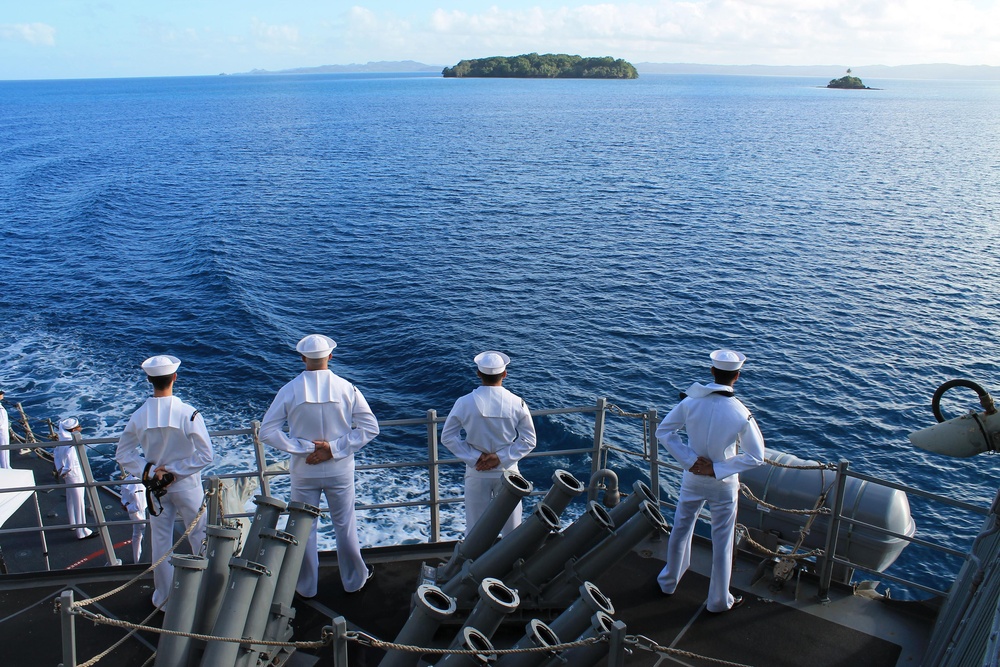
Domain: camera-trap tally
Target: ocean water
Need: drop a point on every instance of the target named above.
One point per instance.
(605, 234)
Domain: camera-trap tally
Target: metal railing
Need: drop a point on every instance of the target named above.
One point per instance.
(645, 457)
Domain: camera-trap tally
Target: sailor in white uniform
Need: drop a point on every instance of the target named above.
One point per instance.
(498, 433)
(328, 421)
(134, 502)
(723, 440)
(67, 464)
(4, 435)
(174, 439)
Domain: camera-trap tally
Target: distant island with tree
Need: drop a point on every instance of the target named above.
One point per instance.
(548, 66)
(849, 82)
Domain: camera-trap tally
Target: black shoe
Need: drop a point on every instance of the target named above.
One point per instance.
(371, 573)
(738, 601)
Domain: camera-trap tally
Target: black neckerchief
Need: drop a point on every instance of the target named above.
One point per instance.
(720, 392)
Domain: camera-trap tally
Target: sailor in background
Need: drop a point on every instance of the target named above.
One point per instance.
(174, 441)
(134, 502)
(67, 463)
(722, 440)
(498, 433)
(328, 421)
(4, 435)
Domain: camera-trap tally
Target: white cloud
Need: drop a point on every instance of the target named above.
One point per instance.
(740, 31)
(274, 37)
(40, 34)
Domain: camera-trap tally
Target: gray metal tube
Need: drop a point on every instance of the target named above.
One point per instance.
(173, 650)
(471, 640)
(513, 488)
(610, 550)
(589, 654)
(536, 634)
(577, 617)
(626, 509)
(265, 516)
(565, 487)
(499, 560)
(221, 545)
(431, 606)
(272, 546)
(578, 538)
(301, 517)
(611, 494)
(495, 602)
(233, 613)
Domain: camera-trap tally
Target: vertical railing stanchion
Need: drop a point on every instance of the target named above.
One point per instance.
(258, 450)
(649, 425)
(433, 475)
(41, 532)
(826, 570)
(339, 630)
(93, 496)
(596, 464)
(68, 629)
(616, 650)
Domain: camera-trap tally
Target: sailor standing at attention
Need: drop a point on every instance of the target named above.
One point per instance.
(722, 440)
(175, 443)
(328, 421)
(498, 433)
(67, 464)
(4, 435)
(134, 502)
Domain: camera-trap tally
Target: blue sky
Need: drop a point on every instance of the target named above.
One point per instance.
(45, 39)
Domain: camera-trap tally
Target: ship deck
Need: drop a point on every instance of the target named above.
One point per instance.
(772, 629)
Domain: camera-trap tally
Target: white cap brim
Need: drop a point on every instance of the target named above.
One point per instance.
(69, 423)
(315, 346)
(491, 362)
(163, 364)
(727, 360)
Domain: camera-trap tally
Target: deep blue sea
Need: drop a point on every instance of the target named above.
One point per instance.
(605, 234)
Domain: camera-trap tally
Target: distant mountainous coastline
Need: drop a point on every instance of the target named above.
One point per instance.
(825, 72)
(387, 66)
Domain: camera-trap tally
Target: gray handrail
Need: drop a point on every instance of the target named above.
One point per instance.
(431, 421)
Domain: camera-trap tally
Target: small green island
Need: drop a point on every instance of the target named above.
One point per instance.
(849, 82)
(547, 66)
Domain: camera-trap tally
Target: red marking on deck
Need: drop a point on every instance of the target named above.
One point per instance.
(96, 554)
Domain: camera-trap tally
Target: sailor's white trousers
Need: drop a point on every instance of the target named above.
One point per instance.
(339, 491)
(721, 496)
(75, 512)
(480, 489)
(184, 501)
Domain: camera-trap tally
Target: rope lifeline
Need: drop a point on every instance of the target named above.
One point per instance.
(201, 511)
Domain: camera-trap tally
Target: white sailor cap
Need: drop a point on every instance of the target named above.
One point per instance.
(727, 360)
(69, 423)
(162, 364)
(492, 363)
(315, 346)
